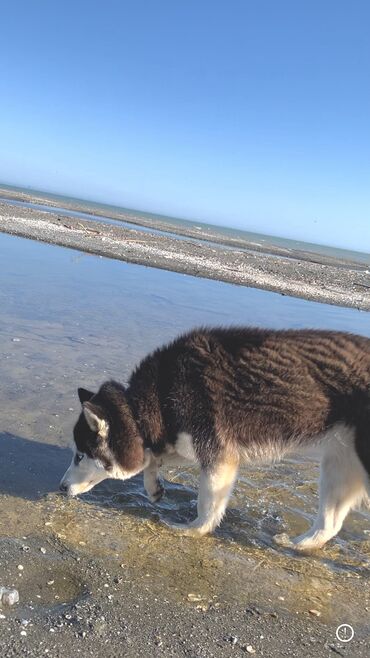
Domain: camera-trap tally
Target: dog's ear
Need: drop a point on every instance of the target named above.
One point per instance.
(94, 419)
(84, 395)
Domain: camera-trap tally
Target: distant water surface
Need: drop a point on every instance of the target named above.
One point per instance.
(204, 229)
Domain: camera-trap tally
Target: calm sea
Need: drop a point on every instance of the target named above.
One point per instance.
(176, 224)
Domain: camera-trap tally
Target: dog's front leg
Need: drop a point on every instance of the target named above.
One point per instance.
(215, 487)
(152, 483)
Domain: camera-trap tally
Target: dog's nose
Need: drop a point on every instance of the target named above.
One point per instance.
(63, 487)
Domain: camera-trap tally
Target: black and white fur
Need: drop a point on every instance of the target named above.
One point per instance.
(221, 398)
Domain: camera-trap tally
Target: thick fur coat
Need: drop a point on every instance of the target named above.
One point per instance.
(223, 397)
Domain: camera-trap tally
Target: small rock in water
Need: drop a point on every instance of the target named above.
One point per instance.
(314, 612)
(43, 550)
(250, 649)
(283, 540)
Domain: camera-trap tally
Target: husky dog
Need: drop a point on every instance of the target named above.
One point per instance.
(224, 397)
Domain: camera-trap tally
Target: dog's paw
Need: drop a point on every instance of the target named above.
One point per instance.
(300, 544)
(188, 529)
(305, 544)
(155, 496)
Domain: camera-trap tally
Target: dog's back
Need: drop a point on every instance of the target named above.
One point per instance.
(258, 391)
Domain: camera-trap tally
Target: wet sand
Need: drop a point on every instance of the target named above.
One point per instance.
(300, 273)
(101, 574)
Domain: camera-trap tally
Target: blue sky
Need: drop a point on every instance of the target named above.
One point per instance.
(252, 114)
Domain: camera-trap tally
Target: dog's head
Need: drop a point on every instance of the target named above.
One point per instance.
(106, 442)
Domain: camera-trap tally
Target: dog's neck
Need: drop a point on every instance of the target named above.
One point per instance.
(145, 408)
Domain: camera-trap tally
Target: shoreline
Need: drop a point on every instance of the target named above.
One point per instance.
(313, 277)
(205, 233)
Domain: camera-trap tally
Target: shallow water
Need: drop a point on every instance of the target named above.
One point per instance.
(71, 319)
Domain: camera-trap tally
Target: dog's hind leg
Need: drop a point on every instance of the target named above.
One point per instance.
(215, 487)
(342, 487)
(152, 483)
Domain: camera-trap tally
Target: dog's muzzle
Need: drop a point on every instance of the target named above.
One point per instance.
(63, 487)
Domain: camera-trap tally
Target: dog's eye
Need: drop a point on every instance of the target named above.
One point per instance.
(78, 457)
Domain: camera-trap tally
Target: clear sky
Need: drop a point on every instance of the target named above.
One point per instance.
(246, 113)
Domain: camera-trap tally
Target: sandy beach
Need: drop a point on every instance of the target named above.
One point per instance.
(302, 274)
